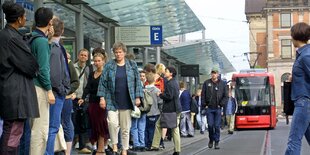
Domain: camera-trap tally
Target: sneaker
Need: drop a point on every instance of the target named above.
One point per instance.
(77, 145)
(85, 151)
(202, 132)
(210, 144)
(216, 146)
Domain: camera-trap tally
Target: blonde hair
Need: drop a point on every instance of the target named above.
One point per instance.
(160, 68)
(182, 84)
(103, 56)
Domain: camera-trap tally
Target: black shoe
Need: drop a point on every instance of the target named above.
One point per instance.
(216, 146)
(210, 145)
(142, 149)
(162, 146)
(129, 152)
(190, 136)
(202, 132)
(115, 153)
(152, 149)
(176, 153)
(230, 132)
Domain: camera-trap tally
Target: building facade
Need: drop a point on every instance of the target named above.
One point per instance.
(269, 24)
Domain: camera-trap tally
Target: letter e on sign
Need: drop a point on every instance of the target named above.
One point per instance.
(156, 35)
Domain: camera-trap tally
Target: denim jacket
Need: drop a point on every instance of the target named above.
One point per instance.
(106, 86)
(301, 74)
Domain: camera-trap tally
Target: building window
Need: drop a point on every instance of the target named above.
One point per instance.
(286, 49)
(285, 20)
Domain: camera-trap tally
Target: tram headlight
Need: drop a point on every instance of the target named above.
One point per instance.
(241, 111)
(264, 111)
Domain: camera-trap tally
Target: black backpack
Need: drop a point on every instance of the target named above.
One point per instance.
(29, 38)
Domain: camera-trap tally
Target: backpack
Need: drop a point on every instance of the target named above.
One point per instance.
(147, 101)
(194, 106)
(29, 38)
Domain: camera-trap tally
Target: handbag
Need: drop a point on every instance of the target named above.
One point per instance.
(168, 120)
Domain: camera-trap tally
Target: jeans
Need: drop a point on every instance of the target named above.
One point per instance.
(300, 126)
(138, 130)
(24, 147)
(66, 120)
(55, 118)
(214, 123)
(150, 129)
(202, 121)
(186, 124)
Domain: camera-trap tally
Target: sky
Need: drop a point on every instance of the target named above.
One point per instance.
(225, 23)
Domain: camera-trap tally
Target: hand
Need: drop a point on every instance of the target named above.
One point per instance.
(51, 97)
(73, 96)
(138, 102)
(206, 106)
(158, 93)
(80, 102)
(102, 103)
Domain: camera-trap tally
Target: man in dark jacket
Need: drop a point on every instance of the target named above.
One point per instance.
(18, 67)
(213, 97)
(171, 104)
(60, 82)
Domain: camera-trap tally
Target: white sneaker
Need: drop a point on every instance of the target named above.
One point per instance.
(76, 145)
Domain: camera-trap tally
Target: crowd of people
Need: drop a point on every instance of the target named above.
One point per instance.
(111, 99)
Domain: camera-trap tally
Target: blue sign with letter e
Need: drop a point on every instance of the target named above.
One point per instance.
(156, 35)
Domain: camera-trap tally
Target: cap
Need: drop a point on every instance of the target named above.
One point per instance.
(214, 70)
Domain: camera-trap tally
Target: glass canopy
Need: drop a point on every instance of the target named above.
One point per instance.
(206, 53)
(175, 16)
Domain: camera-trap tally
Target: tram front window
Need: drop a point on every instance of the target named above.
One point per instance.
(253, 95)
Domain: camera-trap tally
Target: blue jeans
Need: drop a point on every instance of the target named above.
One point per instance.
(214, 123)
(54, 124)
(138, 131)
(150, 129)
(66, 120)
(24, 147)
(300, 126)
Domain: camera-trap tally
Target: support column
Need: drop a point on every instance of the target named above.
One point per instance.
(145, 56)
(37, 4)
(157, 55)
(203, 34)
(79, 25)
(107, 40)
(2, 15)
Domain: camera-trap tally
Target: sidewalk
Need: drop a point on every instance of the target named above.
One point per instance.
(169, 146)
(184, 142)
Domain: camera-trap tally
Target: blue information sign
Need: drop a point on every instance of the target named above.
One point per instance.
(156, 35)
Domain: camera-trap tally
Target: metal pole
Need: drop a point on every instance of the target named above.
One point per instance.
(145, 56)
(158, 55)
(79, 21)
(107, 40)
(37, 4)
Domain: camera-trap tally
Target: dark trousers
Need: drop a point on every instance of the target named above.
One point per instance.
(10, 139)
(150, 129)
(79, 130)
(24, 147)
(214, 123)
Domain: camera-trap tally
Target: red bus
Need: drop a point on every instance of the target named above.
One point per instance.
(254, 92)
